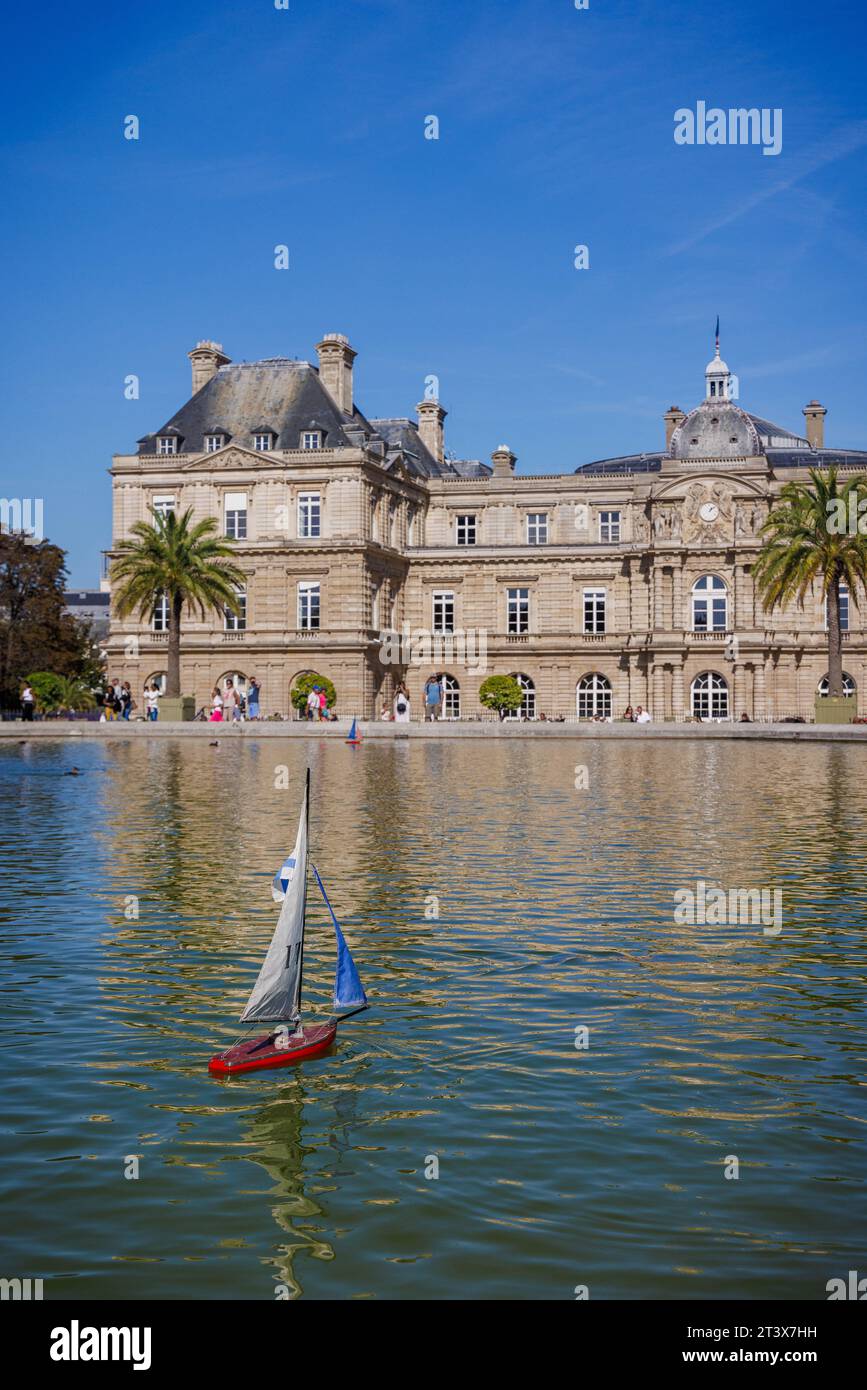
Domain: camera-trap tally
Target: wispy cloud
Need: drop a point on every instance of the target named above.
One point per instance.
(842, 142)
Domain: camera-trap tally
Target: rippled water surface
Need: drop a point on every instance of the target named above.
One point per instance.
(557, 1166)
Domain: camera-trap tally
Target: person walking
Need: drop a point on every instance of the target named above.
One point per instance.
(27, 702)
(433, 698)
(253, 690)
(313, 702)
(323, 704)
(216, 706)
(401, 705)
(152, 695)
(125, 701)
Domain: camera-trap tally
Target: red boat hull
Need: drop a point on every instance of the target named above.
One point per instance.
(259, 1054)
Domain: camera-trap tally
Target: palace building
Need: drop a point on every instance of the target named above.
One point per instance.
(627, 581)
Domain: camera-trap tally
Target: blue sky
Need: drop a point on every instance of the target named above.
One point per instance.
(455, 257)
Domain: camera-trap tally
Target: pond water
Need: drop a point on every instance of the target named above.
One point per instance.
(559, 1165)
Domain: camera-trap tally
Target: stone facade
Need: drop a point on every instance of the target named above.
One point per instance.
(628, 581)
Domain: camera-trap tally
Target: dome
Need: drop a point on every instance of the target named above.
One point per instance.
(715, 429)
(717, 367)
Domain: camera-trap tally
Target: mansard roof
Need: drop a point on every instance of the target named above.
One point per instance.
(401, 434)
(241, 399)
(285, 397)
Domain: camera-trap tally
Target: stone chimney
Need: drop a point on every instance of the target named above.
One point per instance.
(504, 462)
(672, 418)
(206, 357)
(815, 414)
(431, 416)
(335, 369)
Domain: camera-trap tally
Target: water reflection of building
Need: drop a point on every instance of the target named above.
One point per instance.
(628, 581)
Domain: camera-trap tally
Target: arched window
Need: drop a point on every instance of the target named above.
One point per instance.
(849, 686)
(710, 696)
(527, 708)
(594, 696)
(238, 679)
(451, 698)
(710, 608)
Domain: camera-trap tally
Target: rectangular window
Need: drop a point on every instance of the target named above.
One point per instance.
(309, 515)
(262, 442)
(465, 530)
(842, 609)
(161, 614)
(594, 610)
(237, 622)
(213, 442)
(311, 439)
(235, 504)
(163, 504)
(167, 444)
(410, 525)
(537, 528)
(308, 606)
(517, 610)
(609, 527)
(443, 611)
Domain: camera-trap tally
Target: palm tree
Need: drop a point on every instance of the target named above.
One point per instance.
(811, 540)
(74, 694)
(187, 564)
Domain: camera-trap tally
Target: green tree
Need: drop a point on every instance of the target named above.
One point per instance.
(810, 542)
(303, 686)
(36, 632)
(187, 563)
(59, 694)
(47, 688)
(502, 693)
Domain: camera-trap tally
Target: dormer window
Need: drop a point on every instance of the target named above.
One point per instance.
(213, 442)
(263, 441)
(167, 444)
(311, 439)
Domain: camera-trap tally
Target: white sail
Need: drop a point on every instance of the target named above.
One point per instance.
(276, 994)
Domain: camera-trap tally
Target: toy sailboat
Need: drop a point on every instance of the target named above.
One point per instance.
(354, 735)
(276, 996)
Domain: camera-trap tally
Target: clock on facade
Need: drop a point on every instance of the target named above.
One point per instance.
(708, 511)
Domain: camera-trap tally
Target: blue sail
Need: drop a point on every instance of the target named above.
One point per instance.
(352, 735)
(348, 991)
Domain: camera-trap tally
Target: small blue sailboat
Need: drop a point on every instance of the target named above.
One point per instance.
(354, 735)
(276, 996)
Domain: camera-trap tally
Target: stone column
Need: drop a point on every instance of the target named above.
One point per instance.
(658, 599)
(760, 708)
(658, 705)
(625, 682)
(737, 689)
(677, 690)
(677, 621)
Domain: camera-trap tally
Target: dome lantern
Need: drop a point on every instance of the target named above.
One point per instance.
(717, 377)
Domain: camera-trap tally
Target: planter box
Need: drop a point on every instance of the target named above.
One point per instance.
(836, 709)
(177, 708)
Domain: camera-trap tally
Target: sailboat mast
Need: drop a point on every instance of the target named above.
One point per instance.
(304, 906)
